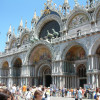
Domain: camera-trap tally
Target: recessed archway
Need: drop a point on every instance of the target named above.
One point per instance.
(98, 50)
(5, 72)
(81, 73)
(5, 69)
(44, 75)
(17, 65)
(75, 53)
(73, 57)
(40, 59)
(48, 27)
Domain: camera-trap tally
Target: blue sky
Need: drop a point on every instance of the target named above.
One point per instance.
(11, 12)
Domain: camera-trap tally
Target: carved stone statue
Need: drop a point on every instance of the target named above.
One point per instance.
(55, 33)
(91, 3)
(49, 34)
(33, 39)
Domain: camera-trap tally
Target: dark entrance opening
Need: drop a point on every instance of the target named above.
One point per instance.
(48, 80)
(82, 82)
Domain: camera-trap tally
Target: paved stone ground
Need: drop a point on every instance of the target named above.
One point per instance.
(60, 98)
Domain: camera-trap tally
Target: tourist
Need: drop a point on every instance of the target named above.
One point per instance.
(6, 94)
(80, 93)
(13, 89)
(28, 94)
(48, 94)
(38, 95)
(76, 94)
(24, 89)
(97, 94)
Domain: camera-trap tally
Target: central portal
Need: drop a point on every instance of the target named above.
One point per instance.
(41, 61)
(48, 78)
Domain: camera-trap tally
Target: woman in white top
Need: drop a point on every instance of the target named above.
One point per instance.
(28, 94)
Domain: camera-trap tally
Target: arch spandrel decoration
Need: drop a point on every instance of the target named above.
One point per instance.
(77, 20)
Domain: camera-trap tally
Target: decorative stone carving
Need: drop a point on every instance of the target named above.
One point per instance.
(78, 20)
(98, 15)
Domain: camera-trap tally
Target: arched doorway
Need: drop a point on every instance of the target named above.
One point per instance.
(44, 74)
(5, 72)
(40, 60)
(17, 65)
(48, 79)
(81, 73)
(98, 65)
(74, 57)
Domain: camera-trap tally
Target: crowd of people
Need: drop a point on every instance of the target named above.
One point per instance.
(44, 93)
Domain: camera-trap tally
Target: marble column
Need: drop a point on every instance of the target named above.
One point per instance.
(63, 81)
(75, 82)
(68, 82)
(97, 82)
(89, 62)
(88, 81)
(52, 79)
(93, 80)
(10, 79)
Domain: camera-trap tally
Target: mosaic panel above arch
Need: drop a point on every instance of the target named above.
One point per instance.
(78, 20)
(40, 53)
(75, 53)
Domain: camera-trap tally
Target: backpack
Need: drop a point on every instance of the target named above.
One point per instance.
(45, 95)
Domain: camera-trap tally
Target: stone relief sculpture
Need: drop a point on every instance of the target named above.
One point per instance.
(78, 20)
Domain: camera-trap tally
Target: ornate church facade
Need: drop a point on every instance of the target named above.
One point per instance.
(62, 48)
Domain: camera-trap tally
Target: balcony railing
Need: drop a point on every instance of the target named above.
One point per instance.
(74, 35)
(15, 50)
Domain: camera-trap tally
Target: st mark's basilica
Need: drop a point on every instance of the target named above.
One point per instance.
(62, 48)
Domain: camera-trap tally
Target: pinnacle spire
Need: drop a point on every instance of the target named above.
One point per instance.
(21, 22)
(76, 2)
(9, 29)
(66, 1)
(26, 24)
(13, 30)
(34, 15)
